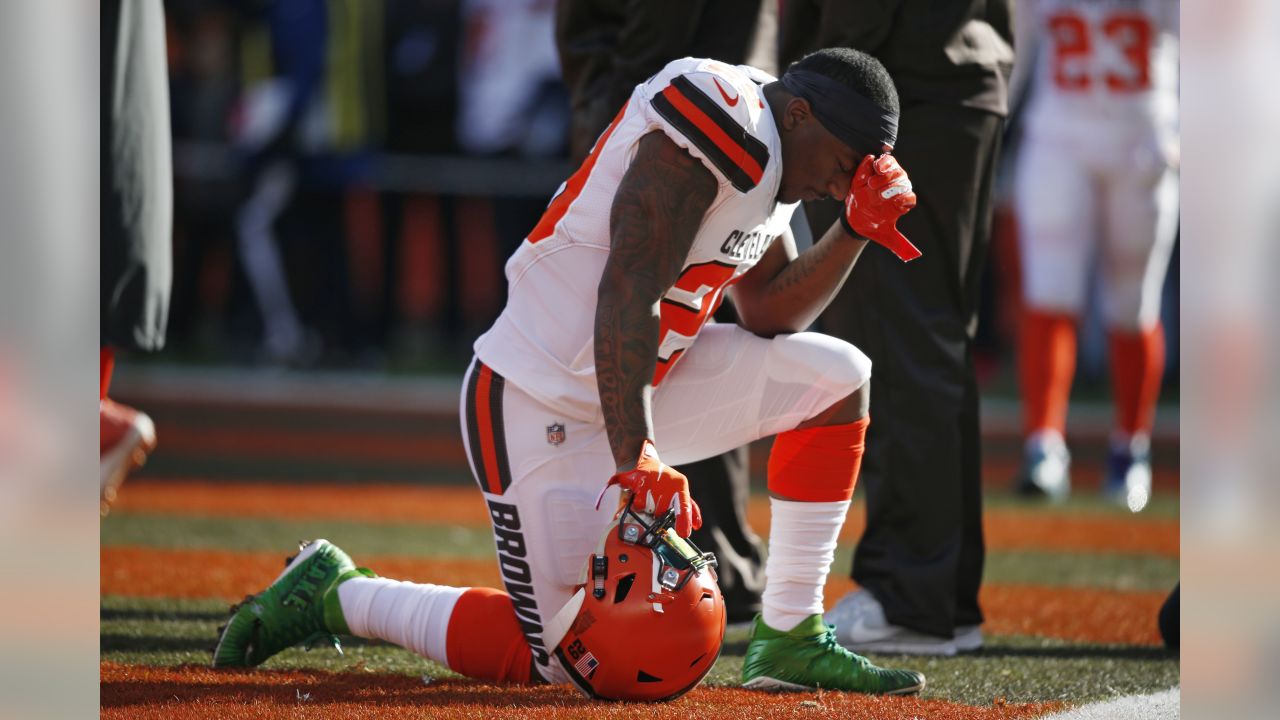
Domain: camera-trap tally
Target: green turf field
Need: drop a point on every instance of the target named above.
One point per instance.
(1012, 667)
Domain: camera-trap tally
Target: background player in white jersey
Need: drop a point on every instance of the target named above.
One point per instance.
(1096, 182)
(601, 356)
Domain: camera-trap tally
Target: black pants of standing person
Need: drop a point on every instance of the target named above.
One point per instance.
(721, 485)
(922, 552)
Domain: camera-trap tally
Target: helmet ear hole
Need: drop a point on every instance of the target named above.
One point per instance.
(645, 677)
(624, 587)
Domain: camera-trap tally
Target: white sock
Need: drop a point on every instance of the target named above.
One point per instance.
(1137, 444)
(412, 615)
(802, 545)
(1046, 438)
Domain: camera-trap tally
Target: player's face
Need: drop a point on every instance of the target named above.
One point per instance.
(815, 164)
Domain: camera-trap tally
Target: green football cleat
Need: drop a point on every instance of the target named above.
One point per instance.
(809, 658)
(299, 607)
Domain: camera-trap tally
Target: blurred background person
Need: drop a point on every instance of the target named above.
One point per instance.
(417, 300)
(607, 47)
(512, 100)
(204, 85)
(919, 561)
(136, 190)
(1096, 186)
(511, 104)
(306, 124)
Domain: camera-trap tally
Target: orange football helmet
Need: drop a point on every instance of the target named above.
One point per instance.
(648, 621)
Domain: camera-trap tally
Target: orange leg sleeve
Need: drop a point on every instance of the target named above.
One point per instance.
(484, 639)
(1047, 365)
(106, 363)
(1137, 365)
(818, 464)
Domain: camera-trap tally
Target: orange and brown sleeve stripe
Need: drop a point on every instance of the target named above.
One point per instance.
(486, 434)
(740, 156)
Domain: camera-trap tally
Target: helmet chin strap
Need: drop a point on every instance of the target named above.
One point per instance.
(554, 630)
(657, 594)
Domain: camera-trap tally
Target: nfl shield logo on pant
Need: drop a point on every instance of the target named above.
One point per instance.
(555, 434)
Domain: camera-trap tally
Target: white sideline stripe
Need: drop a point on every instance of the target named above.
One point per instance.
(269, 388)
(1157, 706)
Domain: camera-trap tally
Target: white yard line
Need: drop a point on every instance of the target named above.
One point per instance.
(1158, 706)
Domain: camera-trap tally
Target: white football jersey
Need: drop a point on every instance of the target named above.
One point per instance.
(1105, 66)
(544, 339)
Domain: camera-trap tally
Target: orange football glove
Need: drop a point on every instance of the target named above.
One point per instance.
(656, 488)
(879, 195)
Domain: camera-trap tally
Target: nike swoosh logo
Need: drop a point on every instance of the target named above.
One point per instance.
(730, 100)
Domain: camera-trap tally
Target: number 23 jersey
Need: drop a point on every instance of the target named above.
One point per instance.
(1105, 66)
(544, 339)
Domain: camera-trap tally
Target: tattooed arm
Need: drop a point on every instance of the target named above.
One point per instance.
(784, 293)
(656, 213)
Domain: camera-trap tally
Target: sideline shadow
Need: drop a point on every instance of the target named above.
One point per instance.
(1106, 652)
(189, 615)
